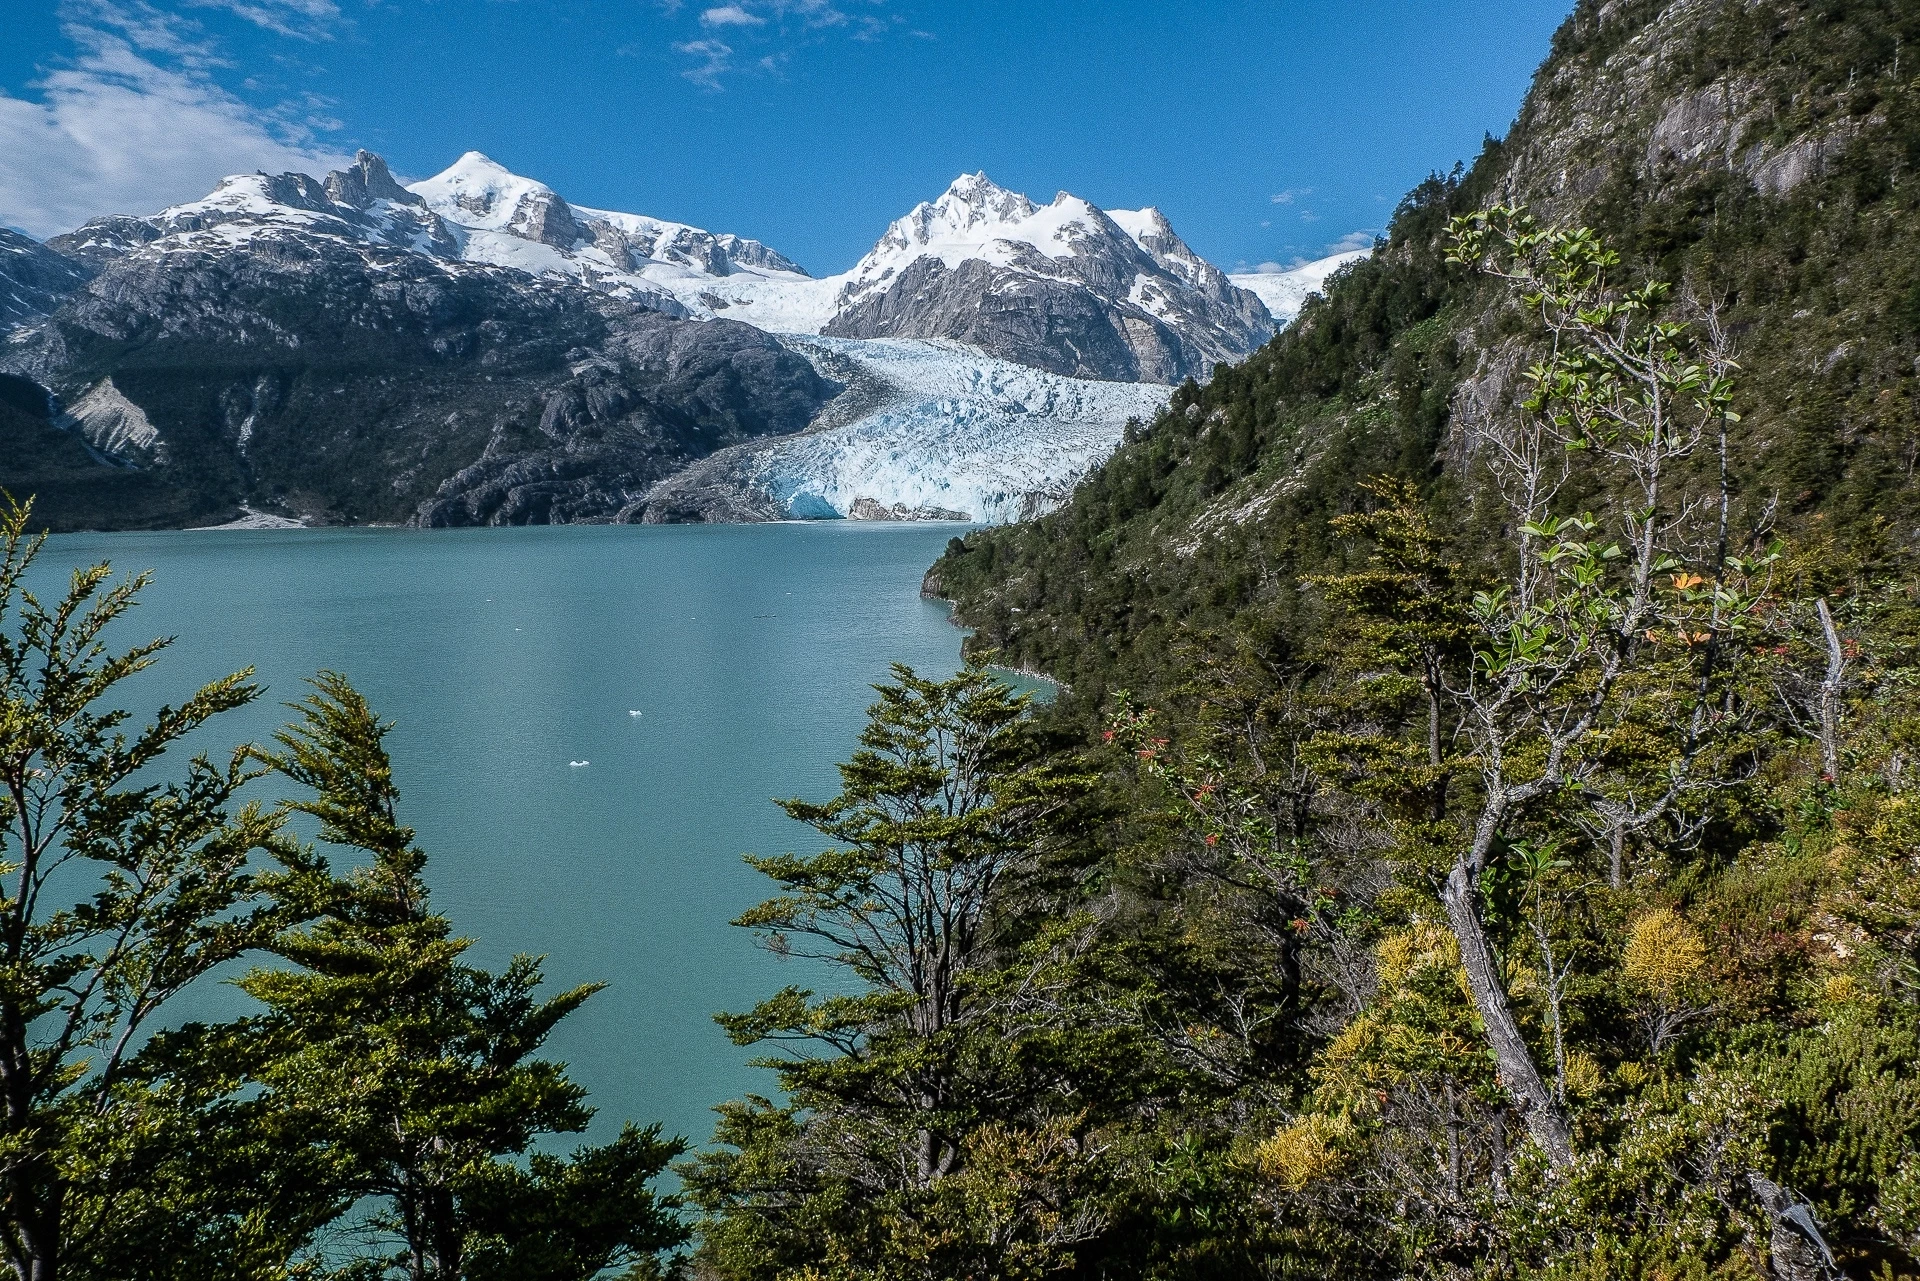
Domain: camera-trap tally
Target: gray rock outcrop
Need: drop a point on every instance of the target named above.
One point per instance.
(34, 278)
(298, 346)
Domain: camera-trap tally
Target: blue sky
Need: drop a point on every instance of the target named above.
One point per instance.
(1267, 130)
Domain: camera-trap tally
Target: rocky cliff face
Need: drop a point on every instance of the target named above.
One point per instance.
(316, 347)
(1063, 287)
(1759, 157)
(33, 278)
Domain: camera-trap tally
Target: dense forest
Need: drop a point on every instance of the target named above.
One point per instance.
(1478, 833)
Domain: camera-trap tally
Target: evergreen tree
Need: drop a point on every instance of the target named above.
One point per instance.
(926, 1109)
(412, 1073)
(117, 891)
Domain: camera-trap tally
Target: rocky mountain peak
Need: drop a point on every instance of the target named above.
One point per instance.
(1114, 297)
(973, 199)
(102, 240)
(366, 181)
(1149, 228)
(477, 192)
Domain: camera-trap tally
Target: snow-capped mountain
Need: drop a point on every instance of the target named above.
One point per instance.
(1065, 287)
(498, 217)
(360, 206)
(473, 348)
(321, 348)
(1286, 291)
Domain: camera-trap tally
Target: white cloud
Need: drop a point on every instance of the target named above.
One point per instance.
(1346, 244)
(134, 123)
(776, 27)
(303, 19)
(716, 59)
(731, 15)
(1290, 195)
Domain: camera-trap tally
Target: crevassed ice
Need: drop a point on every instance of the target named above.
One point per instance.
(968, 434)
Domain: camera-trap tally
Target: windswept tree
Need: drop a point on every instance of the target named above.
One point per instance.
(1596, 614)
(118, 889)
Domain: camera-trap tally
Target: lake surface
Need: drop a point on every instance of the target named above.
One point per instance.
(504, 655)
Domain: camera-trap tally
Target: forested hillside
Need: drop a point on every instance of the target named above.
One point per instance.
(1762, 157)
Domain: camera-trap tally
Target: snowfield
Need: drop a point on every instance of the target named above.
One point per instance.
(1285, 292)
(962, 436)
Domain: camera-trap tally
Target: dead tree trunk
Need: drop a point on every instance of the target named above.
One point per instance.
(1545, 1118)
(1830, 694)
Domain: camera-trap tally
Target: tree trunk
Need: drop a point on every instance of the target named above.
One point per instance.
(448, 1242)
(34, 1194)
(933, 1155)
(40, 1232)
(33, 1188)
(1830, 695)
(1545, 1119)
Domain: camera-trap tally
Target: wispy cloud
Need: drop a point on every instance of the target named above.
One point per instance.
(302, 19)
(731, 15)
(1290, 195)
(134, 121)
(1346, 244)
(775, 29)
(716, 59)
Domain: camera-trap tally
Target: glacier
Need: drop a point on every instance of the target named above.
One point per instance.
(942, 432)
(938, 429)
(930, 427)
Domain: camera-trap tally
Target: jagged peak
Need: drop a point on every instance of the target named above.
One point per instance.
(366, 180)
(973, 199)
(1145, 221)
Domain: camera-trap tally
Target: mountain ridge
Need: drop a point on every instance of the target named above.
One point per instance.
(314, 348)
(229, 284)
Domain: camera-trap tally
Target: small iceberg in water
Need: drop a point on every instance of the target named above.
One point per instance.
(631, 712)
(577, 764)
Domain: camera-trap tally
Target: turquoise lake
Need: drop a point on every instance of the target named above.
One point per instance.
(504, 656)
